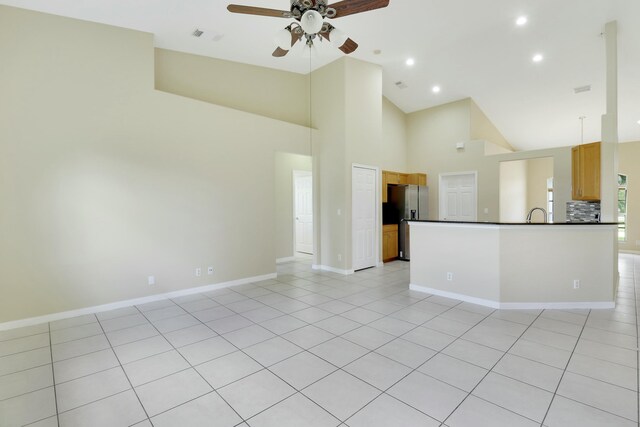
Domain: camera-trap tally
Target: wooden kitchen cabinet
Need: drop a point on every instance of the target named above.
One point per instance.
(585, 172)
(398, 178)
(388, 177)
(417, 179)
(389, 242)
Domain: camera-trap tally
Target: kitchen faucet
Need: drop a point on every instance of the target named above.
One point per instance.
(530, 214)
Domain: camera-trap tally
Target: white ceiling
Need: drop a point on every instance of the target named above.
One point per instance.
(471, 48)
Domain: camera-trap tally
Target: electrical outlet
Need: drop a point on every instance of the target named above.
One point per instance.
(449, 277)
(210, 271)
(637, 242)
(576, 284)
(339, 257)
(198, 272)
(151, 280)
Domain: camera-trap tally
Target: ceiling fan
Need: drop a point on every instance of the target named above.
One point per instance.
(310, 15)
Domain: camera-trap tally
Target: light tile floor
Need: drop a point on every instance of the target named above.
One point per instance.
(320, 349)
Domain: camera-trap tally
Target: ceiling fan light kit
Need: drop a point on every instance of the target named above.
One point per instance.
(310, 16)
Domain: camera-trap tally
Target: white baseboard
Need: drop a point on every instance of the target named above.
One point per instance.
(332, 269)
(452, 295)
(128, 303)
(629, 251)
(515, 305)
(286, 259)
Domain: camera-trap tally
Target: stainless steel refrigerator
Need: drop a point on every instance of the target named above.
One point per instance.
(410, 202)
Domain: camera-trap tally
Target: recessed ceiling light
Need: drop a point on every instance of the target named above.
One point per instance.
(410, 62)
(537, 57)
(435, 89)
(521, 21)
(639, 122)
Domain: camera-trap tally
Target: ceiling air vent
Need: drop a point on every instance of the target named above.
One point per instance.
(197, 33)
(401, 85)
(581, 89)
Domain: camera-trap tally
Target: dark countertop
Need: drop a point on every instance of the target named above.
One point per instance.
(512, 223)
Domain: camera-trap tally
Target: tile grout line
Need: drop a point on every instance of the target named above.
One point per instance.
(564, 371)
(53, 375)
(491, 370)
(213, 389)
(124, 372)
(635, 295)
(412, 369)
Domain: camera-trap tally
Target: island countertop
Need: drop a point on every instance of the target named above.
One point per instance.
(508, 223)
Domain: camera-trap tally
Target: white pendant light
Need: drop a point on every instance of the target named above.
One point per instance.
(311, 22)
(283, 39)
(337, 37)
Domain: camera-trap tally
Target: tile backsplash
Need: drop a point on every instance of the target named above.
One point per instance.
(583, 211)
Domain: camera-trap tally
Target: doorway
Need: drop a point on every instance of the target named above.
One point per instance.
(364, 187)
(303, 211)
(458, 196)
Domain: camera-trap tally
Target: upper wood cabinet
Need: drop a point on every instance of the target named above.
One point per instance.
(418, 179)
(390, 177)
(585, 172)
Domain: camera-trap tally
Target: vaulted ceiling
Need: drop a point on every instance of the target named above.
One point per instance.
(469, 48)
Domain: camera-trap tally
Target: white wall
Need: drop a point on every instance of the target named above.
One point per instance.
(104, 181)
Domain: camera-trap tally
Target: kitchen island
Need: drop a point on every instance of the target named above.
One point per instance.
(516, 265)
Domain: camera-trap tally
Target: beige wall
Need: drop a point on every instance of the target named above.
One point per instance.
(482, 128)
(630, 166)
(491, 262)
(363, 94)
(286, 163)
(104, 181)
(347, 110)
(329, 175)
(270, 93)
(394, 137)
(432, 137)
(513, 191)
(538, 171)
(561, 159)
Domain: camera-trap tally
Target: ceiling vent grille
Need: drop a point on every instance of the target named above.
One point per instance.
(197, 33)
(401, 85)
(581, 89)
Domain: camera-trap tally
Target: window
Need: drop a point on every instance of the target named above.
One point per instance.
(550, 199)
(622, 208)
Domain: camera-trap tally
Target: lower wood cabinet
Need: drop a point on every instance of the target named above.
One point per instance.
(389, 242)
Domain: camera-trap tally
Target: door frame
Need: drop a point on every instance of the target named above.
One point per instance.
(295, 174)
(377, 209)
(441, 193)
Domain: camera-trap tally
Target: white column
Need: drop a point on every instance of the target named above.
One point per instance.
(609, 160)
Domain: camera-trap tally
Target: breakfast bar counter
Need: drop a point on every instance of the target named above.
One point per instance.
(516, 265)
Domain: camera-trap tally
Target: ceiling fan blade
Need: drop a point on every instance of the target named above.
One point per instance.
(279, 53)
(251, 10)
(349, 46)
(350, 7)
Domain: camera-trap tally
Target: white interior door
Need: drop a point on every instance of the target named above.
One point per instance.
(303, 211)
(364, 217)
(458, 197)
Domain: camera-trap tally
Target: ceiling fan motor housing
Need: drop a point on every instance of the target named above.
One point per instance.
(299, 7)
